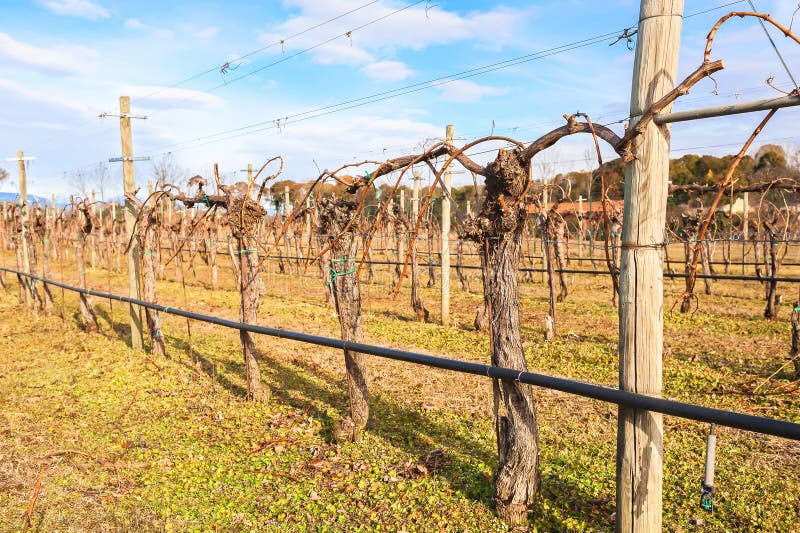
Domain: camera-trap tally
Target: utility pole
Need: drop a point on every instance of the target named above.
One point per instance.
(446, 187)
(23, 199)
(640, 437)
(129, 184)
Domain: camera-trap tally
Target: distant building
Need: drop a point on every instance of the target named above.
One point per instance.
(590, 210)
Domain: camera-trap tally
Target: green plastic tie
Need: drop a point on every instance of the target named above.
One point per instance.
(148, 252)
(247, 251)
(336, 274)
(206, 200)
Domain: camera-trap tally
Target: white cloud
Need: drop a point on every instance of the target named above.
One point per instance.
(330, 141)
(387, 71)
(138, 25)
(467, 91)
(42, 98)
(411, 29)
(206, 33)
(158, 97)
(77, 8)
(59, 60)
(135, 24)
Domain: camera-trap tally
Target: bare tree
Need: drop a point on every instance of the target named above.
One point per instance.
(100, 178)
(80, 183)
(167, 170)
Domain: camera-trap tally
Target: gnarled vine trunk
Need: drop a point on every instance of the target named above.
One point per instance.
(498, 231)
(147, 233)
(86, 307)
(334, 216)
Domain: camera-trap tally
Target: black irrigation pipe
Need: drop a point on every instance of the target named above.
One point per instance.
(757, 424)
(731, 277)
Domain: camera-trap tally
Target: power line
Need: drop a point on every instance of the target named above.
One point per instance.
(216, 68)
(774, 46)
(393, 93)
(239, 58)
(385, 95)
(281, 121)
(347, 34)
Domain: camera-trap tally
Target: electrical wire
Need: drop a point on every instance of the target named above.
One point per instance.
(774, 46)
(347, 34)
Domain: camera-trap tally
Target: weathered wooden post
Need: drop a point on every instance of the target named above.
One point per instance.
(446, 187)
(745, 216)
(580, 230)
(129, 184)
(640, 433)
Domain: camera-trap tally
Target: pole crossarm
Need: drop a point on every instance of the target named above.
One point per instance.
(123, 159)
(122, 115)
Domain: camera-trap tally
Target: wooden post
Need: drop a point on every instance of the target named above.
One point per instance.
(469, 208)
(307, 233)
(403, 201)
(415, 198)
(23, 200)
(641, 322)
(93, 241)
(286, 209)
(580, 228)
(446, 186)
(745, 229)
(129, 184)
(249, 173)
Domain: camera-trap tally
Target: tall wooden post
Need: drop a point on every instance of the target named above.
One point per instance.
(23, 200)
(129, 184)
(403, 201)
(641, 322)
(249, 173)
(286, 207)
(446, 186)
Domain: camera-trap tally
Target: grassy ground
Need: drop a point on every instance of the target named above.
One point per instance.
(125, 441)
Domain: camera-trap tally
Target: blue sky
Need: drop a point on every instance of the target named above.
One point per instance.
(63, 62)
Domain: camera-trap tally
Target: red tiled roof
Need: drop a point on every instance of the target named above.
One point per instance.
(571, 208)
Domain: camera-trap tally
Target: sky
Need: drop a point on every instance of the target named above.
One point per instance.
(327, 83)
